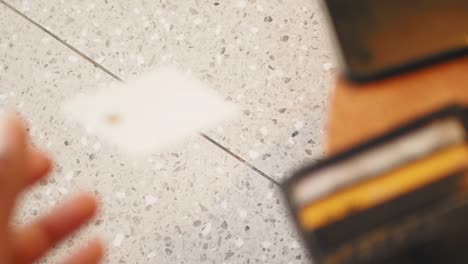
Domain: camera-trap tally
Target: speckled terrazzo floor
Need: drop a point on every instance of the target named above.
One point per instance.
(213, 199)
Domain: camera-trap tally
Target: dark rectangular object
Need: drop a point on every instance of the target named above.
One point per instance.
(380, 38)
(432, 215)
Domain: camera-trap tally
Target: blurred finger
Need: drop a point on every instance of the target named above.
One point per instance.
(90, 254)
(32, 241)
(39, 165)
(13, 146)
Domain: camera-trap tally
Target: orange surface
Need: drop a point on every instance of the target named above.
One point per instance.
(361, 111)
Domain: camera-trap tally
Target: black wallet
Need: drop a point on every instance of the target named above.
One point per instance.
(399, 198)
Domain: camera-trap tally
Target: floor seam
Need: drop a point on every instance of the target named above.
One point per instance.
(110, 73)
(63, 42)
(234, 155)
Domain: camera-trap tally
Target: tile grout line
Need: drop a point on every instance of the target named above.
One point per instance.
(63, 42)
(237, 157)
(99, 66)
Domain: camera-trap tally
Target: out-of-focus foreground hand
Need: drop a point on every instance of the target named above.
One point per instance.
(20, 167)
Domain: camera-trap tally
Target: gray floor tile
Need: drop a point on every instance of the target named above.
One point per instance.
(270, 57)
(194, 204)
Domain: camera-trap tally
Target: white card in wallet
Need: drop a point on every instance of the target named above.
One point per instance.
(151, 113)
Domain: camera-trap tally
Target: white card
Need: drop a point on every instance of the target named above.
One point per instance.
(150, 113)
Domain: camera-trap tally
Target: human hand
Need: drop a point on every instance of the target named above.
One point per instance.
(20, 167)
